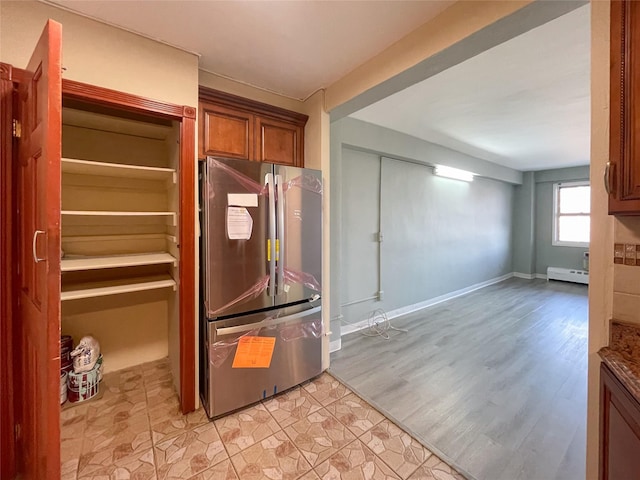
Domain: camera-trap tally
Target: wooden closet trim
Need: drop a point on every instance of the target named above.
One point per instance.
(127, 101)
(187, 261)
(187, 117)
(7, 274)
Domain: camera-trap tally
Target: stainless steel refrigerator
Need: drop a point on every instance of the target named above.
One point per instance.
(261, 263)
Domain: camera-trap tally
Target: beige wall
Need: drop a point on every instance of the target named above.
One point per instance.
(317, 156)
(601, 248)
(132, 329)
(316, 135)
(99, 54)
(223, 84)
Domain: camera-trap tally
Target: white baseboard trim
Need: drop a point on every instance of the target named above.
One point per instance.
(447, 296)
(354, 327)
(362, 324)
(335, 345)
(526, 276)
(529, 276)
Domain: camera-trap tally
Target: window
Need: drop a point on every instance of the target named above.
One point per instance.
(571, 209)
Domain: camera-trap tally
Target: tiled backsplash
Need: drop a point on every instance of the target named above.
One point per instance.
(626, 274)
(626, 254)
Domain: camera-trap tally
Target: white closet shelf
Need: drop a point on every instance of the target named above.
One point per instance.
(113, 213)
(104, 213)
(116, 287)
(114, 124)
(111, 237)
(88, 167)
(115, 261)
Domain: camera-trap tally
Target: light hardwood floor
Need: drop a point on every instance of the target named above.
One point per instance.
(494, 381)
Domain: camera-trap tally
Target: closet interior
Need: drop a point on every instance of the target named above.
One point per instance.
(120, 254)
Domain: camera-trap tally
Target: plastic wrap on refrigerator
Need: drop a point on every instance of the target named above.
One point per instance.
(252, 292)
(248, 183)
(220, 350)
(305, 181)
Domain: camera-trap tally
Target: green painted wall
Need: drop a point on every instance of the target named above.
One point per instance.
(524, 204)
(440, 235)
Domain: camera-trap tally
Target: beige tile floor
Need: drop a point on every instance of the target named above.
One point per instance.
(319, 430)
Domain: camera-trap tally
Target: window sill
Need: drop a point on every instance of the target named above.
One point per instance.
(571, 244)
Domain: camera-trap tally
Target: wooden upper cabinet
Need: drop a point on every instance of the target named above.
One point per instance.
(622, 176)
(279, 142)
(225, 132)
(236, 127)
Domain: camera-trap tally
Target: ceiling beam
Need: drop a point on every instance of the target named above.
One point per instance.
(463, 31)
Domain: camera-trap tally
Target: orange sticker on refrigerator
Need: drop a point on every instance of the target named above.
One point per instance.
(254, 352)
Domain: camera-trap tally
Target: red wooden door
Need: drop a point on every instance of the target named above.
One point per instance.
(39, 258)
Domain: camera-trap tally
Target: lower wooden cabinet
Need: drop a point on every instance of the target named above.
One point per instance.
(619, 430)
(236, 127)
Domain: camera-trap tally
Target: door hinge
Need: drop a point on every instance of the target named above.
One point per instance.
(17, 129)
(17, 432)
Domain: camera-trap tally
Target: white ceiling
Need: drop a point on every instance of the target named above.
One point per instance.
(524, 104)
(289, 47)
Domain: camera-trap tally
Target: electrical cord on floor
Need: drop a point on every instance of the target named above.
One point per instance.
(378, 325)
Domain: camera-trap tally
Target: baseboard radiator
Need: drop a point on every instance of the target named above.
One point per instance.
(567, 275)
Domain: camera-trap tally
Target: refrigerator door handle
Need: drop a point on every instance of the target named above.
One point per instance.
(280, 242)
(266, 323)
(271, 241)
(205, 195)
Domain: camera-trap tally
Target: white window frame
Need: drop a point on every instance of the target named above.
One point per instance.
(556, 214)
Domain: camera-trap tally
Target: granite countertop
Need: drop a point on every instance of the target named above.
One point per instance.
(622, 355)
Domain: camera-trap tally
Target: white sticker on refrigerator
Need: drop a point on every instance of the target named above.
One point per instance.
(239, 223)
(242, 199)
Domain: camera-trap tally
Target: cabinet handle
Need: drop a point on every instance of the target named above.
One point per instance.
(33, 246)
(607, 178)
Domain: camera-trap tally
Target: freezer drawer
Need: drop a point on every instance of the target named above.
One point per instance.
(255, 359)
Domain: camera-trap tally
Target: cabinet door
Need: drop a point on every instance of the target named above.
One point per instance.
(619, 431)
(623, 175)
(225, 132)
(279, 142)
(39, 259)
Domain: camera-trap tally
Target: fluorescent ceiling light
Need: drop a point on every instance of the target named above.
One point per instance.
(455, 173)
